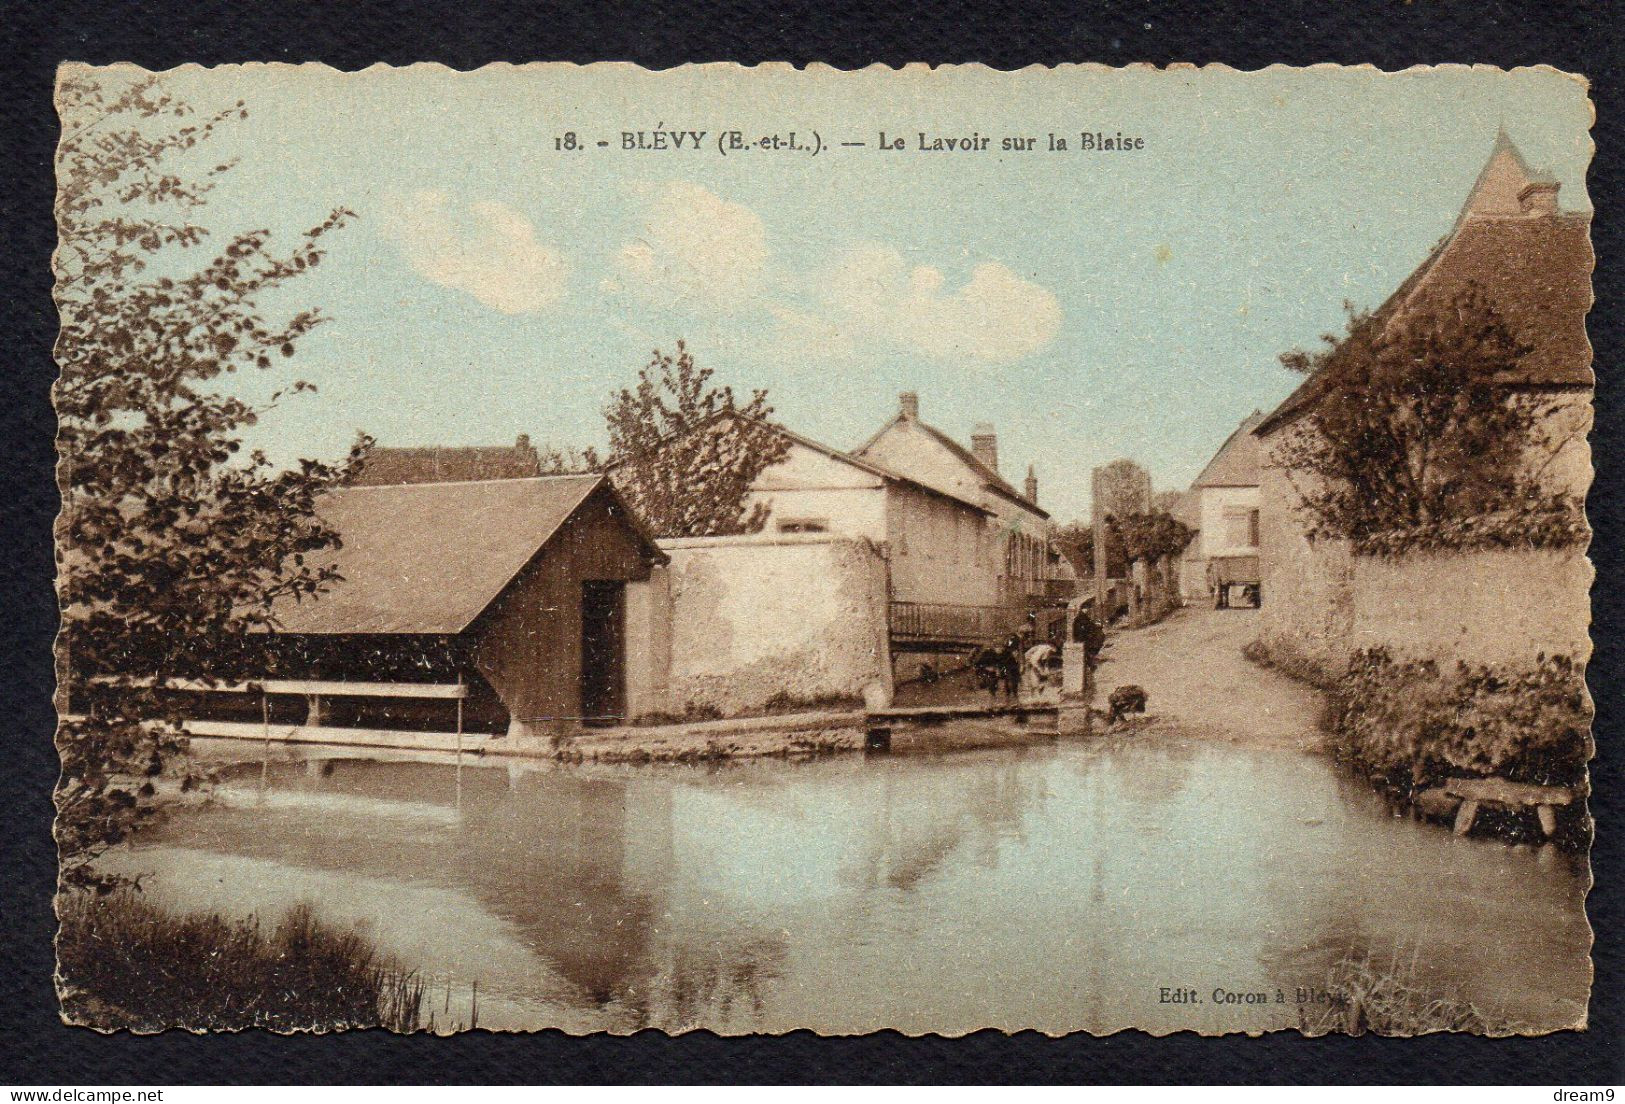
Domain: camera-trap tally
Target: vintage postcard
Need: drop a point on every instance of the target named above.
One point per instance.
(759, 549)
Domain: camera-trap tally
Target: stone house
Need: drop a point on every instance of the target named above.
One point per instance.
(1533, 261)
(934, 540)
(1029, 571)
(1224, 509)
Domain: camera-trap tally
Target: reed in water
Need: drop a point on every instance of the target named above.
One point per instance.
(124, 962)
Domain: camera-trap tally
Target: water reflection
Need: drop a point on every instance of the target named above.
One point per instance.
(1057, 888)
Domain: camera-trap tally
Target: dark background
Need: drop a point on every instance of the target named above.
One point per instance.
(36, 1049)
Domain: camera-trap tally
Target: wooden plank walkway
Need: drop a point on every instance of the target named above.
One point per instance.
(947, 727)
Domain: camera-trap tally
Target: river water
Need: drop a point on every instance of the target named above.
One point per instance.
(1062, 887)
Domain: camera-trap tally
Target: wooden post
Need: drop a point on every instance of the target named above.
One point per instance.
(265, 728)
(459, 718)
(1465, 817)
(1097, 522)
(1548, 819)
(459, 769)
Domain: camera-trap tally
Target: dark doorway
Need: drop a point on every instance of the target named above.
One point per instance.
(603, 652)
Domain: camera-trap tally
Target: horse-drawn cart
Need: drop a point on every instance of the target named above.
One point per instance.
(1235, 580)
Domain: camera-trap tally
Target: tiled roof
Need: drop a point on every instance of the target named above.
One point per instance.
(1239, 461)
(435, 464)
(430, 557)
(1535, 269)
(990, 479)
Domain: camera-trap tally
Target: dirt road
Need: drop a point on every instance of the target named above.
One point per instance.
(1197, 680)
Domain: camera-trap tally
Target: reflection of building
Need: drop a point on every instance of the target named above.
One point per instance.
(1225, 509)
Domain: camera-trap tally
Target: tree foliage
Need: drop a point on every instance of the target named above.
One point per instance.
(1077, 543)
(1417, 432)
(1149, 537)
(172, 544)
(684, 453)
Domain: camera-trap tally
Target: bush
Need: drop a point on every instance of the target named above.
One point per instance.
(123, 962)
(1409, 723)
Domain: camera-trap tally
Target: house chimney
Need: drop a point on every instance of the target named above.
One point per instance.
(1032, 485)
(908, 405)
(523, 442)
(984, 445)
(1539, 197)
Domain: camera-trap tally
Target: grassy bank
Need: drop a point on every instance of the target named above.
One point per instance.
(124, 962)
(1409, 725)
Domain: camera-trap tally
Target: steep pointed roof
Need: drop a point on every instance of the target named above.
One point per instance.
(1239, 461)
(1533, 265)
(990, 479)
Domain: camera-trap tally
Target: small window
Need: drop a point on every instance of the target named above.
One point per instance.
(1241, 528)
(804, 525)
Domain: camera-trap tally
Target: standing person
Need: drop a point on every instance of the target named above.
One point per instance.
(1088, 632)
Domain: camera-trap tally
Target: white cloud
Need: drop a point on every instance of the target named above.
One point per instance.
(694, 248)
(871, 293)
(489, 251)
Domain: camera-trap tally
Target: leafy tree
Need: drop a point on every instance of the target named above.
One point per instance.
(1416, 429)
(1133, 537)
(684, 454)
(1077, 543)
(568, 460)
(1150, 537)
(172, 544)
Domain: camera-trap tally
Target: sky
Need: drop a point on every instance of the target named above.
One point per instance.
(1091, 305)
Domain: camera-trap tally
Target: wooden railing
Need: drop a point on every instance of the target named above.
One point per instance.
(938, 622)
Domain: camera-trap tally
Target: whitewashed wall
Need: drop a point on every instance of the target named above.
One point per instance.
(734, 621)
(1496, 607)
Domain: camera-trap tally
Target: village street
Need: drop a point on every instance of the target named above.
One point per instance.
(1197, 679)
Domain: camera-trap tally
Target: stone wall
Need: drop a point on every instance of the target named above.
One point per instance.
(1308, 586)
(1492, 607)
(734, 624)
(1322, 602)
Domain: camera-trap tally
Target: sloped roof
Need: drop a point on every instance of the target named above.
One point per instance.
(863, 465)
(991, 479)
(1239, 461)
(878, 470)
(430, 557)
(1535, 269)
(436, 464)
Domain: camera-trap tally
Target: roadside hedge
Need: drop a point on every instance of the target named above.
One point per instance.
(1410, 724)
